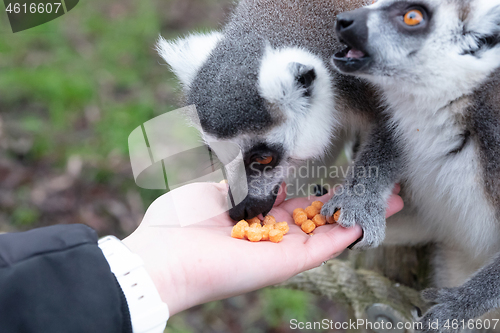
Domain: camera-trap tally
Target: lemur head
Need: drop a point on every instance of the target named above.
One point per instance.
(431, 45)
(276, 104)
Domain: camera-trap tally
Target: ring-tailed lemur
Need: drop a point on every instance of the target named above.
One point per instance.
(266, 83)
(437, 65)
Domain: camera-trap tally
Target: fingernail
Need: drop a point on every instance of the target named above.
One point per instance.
(419, 311)
(356, 242)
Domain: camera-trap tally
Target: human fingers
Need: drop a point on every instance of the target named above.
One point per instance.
(394, 205)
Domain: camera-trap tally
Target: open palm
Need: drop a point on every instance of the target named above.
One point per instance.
(201, 262)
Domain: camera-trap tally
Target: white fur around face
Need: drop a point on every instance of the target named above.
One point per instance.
(308, 122)
(186, 56)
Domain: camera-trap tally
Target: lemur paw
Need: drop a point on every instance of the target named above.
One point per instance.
(368, 211)
(447, 315)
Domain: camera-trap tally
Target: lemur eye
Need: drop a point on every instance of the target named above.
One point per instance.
(264, 160)
(413, 17)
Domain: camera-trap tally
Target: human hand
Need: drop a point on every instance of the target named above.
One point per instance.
(200, 263)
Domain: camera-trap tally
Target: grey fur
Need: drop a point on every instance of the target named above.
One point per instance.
(484, 122)
(217, 89)
(479, 295)
(363, 200)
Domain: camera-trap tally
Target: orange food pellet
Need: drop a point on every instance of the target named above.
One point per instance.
(239, 230)
(336, 216)
(319, 220)
(275, 236)
(296, 211)
(308, 219)
(283, 227)
(243, 222)
(308, 226)
(269, 220)
(300, 217)
(311, 212)
(317, 204)
(254, 220)
(266, 229)
(254, 233)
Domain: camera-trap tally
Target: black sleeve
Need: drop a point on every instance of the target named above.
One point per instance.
(56, 279)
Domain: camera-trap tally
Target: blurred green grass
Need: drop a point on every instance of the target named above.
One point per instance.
(92, 73)
(78, 86)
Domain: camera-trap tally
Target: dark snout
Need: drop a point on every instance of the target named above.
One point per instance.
(352, 29)
(252, 206)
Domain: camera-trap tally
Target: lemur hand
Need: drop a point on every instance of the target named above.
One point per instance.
(447, 315)
(457, 306)
(368, 210)
(200, 263)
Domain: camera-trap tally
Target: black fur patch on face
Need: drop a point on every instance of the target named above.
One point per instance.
(484, 122)
(225, 91)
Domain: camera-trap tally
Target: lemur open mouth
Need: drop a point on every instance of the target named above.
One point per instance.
(350, 52)
(351, 59)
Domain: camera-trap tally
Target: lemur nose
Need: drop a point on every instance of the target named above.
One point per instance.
(352, 28)
(344, 21)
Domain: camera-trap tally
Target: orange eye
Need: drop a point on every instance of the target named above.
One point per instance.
(265, 160)
(414, 17)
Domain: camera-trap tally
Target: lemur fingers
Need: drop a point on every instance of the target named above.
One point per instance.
(452, 312)
(367, 211)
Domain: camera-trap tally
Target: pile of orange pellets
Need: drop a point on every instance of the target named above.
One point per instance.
(307, 219)
(254, 231)
(310, 218)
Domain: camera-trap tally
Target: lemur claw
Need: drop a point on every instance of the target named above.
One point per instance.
(447, 315)
(365, 210)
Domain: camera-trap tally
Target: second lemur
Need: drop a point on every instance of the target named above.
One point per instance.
(437, 65)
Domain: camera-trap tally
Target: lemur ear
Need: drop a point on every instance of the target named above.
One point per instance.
(186, 56)
(305, 76)
(287, 78)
